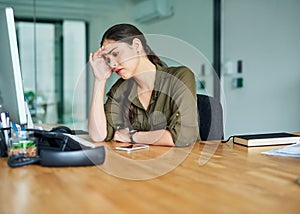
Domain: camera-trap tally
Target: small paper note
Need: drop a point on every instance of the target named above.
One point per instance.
(287, 151)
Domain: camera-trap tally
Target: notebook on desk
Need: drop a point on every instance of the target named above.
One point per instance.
(269, 139)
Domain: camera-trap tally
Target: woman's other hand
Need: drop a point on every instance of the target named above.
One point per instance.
(122, 135)
(100, 69)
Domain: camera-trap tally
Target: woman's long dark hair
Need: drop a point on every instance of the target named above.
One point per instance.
(126, 33)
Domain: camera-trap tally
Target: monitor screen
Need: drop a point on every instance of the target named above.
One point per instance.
(12, 98)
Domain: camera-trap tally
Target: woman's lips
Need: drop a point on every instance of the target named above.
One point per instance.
(118, 70)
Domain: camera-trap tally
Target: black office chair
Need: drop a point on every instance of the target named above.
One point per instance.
(210, 118)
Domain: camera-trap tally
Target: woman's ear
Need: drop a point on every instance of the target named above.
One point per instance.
(137, 45)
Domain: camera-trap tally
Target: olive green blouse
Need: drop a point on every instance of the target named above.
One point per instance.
(172, 106)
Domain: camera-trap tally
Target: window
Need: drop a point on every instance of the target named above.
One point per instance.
(53, 59)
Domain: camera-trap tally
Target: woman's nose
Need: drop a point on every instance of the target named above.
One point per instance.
(113, 63)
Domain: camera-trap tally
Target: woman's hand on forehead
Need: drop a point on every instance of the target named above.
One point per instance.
(98, 53)
(98, 61)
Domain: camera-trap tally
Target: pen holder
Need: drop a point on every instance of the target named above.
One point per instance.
(22, 143)
(4, 140)
(22, 149)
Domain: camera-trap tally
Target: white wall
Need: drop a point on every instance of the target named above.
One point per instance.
(192, 22)
(265, 35)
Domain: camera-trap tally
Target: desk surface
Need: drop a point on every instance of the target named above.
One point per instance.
(234, 180)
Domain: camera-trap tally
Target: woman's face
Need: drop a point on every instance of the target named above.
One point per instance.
(121, 57)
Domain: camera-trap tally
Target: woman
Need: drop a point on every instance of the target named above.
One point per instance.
(150, 103)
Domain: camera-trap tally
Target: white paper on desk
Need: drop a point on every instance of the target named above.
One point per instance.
(287, 151)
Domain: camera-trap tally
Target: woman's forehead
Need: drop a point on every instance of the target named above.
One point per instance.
(110, 44)
(107, 43)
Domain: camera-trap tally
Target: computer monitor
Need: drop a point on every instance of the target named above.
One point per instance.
(12, 98)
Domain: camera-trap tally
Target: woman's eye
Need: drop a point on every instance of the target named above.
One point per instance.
(115, 54)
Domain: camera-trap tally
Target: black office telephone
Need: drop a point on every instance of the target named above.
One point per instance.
(57, 149)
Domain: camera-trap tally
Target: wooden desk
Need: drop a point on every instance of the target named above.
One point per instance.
(234, 180)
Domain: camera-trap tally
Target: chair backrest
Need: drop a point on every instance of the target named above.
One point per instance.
(210, 118)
